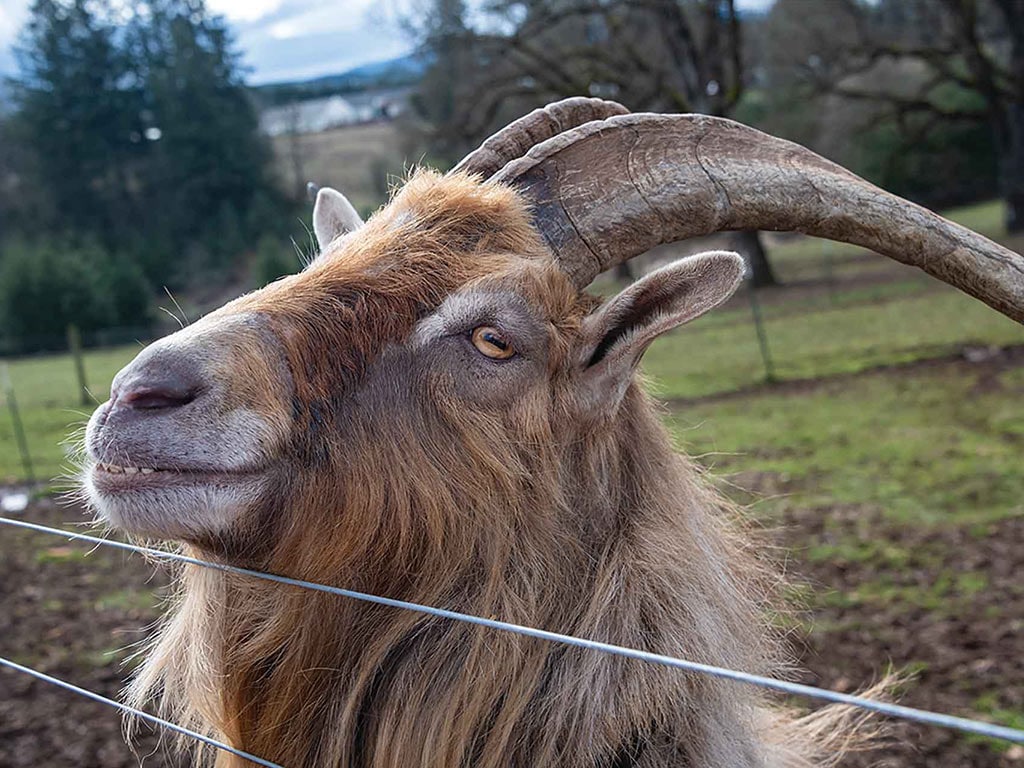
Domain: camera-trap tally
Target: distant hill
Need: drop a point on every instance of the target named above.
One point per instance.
(393, 73)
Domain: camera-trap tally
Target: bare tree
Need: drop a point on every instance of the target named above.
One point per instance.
(651, 55)
(956, 60)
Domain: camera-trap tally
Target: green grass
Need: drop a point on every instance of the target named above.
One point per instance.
(989, 706)
(712, 356)
(127, 600)
(922, 447)
(947, 595)
(50, 407)
(855, 463)
(795, 257)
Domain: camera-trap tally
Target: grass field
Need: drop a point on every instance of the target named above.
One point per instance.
(356, 160)
(719, 354)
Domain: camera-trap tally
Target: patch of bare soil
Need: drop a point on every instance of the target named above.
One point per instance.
(67, 612)
(952, 612)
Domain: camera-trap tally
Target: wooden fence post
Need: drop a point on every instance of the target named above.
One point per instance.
(19, 430)
(75, 345)
(762, 336)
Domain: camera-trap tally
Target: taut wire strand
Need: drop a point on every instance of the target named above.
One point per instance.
(799, 689)
(137, 712)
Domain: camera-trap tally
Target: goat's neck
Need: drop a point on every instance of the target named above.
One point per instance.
(634, 552)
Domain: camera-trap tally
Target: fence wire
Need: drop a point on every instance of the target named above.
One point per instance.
(136, 712)
(967, 725)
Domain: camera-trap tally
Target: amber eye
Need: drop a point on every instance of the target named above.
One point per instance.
(490, 342)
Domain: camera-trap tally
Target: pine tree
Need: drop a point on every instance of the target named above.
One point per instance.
(77, 110)
(209, 155)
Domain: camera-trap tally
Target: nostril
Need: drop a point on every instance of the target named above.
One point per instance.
(151, 397)
(159, 379)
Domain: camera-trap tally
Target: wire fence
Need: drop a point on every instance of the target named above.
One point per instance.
(966, 725)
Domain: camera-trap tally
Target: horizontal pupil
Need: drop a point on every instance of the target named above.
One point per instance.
(497, 341)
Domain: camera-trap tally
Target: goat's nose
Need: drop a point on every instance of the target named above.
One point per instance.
(159, 385)
(164, 394)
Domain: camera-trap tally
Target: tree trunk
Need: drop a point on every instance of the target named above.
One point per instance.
(748, 243)
(1011, 167)
(1011, 160)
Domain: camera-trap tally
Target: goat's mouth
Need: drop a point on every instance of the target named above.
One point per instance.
(108, 477)
(184, 503)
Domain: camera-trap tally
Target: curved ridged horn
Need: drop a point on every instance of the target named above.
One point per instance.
(610, 190)
(516, 138)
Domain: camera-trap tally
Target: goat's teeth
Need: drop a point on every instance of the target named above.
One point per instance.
(130, 470)
(115, 469)
(147, 470)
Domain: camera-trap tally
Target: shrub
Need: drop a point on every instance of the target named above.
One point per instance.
(45, 285)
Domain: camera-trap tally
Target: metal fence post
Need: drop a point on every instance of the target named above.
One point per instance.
(762, 336)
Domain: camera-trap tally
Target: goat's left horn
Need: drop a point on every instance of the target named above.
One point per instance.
(609, 190)
(517, 137)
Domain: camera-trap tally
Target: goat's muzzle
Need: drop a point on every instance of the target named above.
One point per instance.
(192, 430)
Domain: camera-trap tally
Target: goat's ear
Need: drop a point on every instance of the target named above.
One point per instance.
(618, 333)
(333, 216)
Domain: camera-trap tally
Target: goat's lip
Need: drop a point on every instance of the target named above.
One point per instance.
(107, 476)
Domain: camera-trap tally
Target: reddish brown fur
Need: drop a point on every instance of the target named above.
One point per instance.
(533, 512)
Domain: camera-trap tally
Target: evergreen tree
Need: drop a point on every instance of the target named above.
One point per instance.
(209, 156)
(77, 110)
(140, 130)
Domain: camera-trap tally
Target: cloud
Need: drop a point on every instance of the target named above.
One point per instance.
(12, 16)
(244, 10)
(279, 39)
(305, 38)
(289, 39)
(317, 18)
(754, 5)
(274, 59)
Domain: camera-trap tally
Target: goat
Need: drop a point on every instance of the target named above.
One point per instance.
(436, 410)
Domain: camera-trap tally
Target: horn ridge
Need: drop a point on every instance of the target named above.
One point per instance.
(541, 124)
(606, 191)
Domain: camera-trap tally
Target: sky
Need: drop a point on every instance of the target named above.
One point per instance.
(281, 39)
(288, 39)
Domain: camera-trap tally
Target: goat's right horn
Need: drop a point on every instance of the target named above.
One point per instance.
(609, 190)
(517, 137)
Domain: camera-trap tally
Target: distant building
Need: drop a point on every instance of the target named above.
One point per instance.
(315, 115)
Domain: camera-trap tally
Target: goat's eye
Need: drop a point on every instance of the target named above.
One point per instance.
(491, 343)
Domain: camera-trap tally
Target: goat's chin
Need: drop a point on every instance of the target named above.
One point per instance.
(183, 506)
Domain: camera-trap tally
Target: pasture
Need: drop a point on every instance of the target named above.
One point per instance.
(355, 159)
(884, 467)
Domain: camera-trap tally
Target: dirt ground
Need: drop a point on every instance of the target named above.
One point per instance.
(963, 652)
(72, 614)
(75, 614)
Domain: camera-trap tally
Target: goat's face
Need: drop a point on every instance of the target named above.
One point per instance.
(433, 358)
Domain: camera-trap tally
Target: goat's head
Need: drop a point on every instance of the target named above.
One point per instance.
(445, 353)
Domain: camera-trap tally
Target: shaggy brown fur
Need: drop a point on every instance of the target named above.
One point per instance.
(533, 511)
